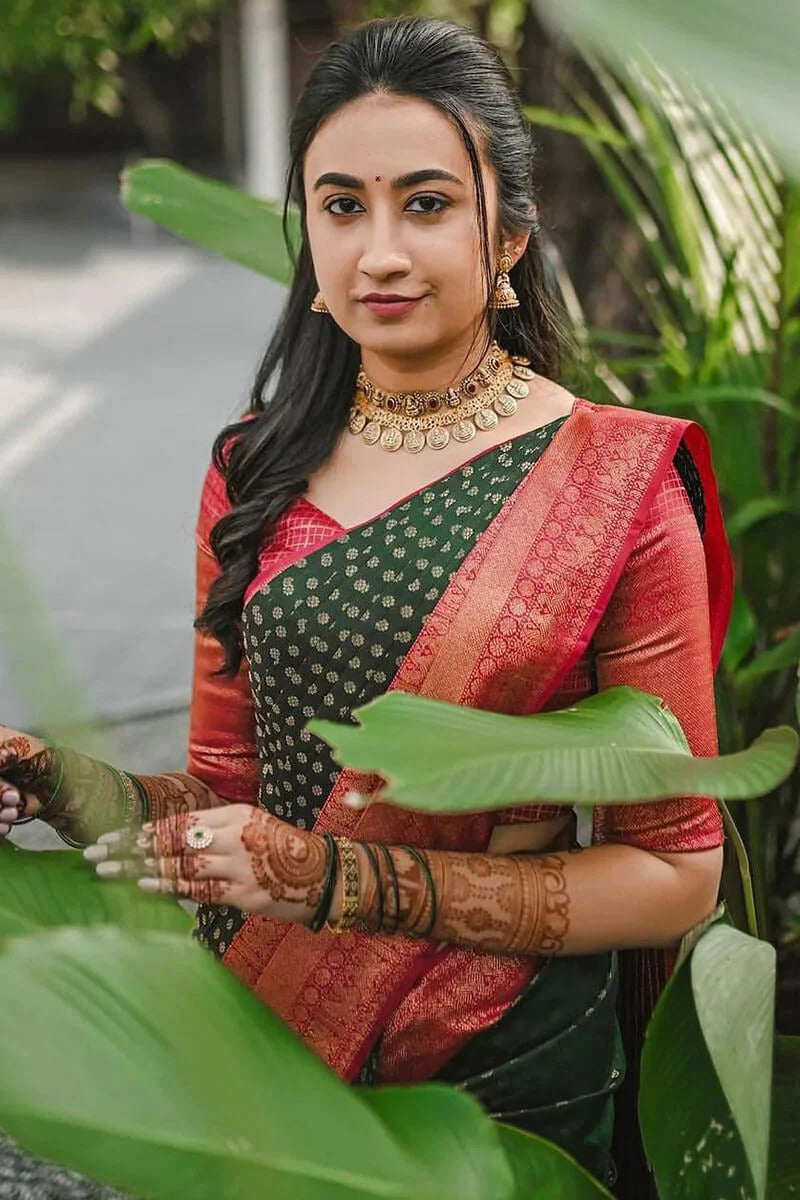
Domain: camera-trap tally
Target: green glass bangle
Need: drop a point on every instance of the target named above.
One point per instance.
(324, 907)
(396, 886)
(123, 792)
(425, 867)
(143, 796)
(373, 862)
(51, 803)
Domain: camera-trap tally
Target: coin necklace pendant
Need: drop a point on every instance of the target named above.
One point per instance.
(492, 392)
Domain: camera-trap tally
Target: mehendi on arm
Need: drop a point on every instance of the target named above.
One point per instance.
(82, 797)
(490, 902)
(581, 901)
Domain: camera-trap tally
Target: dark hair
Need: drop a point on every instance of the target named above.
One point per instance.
(268, 455)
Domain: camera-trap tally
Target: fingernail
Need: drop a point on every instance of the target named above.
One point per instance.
(108, 868)
(95, 853)
(11, 796)
(149, 885)
(148, 827)
(109, 839)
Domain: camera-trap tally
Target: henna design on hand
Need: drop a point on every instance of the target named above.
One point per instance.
(169, 834)
(203, 891)
(288, 863)
(89, 801)
(28, 769)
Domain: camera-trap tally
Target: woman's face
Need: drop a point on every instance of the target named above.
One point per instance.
(391, 209)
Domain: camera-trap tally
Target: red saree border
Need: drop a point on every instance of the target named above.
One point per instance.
(511, 622)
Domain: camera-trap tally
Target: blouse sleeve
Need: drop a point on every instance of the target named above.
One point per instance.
(655, 635)
(222, 749)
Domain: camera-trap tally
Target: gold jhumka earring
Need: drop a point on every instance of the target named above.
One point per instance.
(318, 304)
(504, 294)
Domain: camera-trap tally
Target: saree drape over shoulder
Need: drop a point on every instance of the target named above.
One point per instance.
(579, 556)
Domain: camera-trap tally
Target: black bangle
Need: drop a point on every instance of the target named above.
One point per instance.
(393, 876)
(423, 863)
(373, 862)
(329, 883)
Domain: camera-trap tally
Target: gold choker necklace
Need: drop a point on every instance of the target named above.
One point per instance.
(414, 420)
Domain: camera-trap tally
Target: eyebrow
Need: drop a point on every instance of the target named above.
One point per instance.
(402, 181)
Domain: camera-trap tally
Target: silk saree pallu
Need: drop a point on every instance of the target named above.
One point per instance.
(508, 634)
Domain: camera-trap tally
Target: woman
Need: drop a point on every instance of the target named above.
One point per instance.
(413, 502)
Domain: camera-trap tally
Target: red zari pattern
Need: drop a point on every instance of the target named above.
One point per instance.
(595, 559)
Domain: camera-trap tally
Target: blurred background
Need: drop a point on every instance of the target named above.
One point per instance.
(672, 234)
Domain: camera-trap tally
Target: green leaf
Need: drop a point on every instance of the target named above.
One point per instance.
(784, 1150)
(37, 663)
(777, 658)
(40, 889)
(741, 633)
(143, 1063)
(722, 394)
(737, 881)
(214, 215)
(745, 52)
(543, 1171)
(706, 1066)
(569, 123)
(620, 746)
(760, 509)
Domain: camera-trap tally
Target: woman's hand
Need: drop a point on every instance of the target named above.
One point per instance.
(25, 776)
(252, 861)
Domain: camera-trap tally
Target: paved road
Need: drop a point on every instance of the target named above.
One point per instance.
(122, 353)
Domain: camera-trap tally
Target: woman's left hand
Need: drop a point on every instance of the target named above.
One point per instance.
(236, 854)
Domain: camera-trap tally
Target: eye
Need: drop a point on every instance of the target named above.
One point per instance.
(341, 200)
(428, 200)
(349, 205)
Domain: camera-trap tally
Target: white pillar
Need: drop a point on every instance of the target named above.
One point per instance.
(265, 93)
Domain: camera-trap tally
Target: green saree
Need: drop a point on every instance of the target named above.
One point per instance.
(325, 635)
(335, 617)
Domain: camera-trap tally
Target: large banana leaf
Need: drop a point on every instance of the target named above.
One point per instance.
(620, 746)
(542, 1171)
(746, 52)
(144, 1064)
(783, 1182)
(40, 889)
(214, 215)
(706, 1071)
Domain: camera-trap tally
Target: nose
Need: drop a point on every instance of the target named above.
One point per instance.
(383, 254)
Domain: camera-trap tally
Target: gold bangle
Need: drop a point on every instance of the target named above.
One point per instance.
(351, 887)
(133, 802)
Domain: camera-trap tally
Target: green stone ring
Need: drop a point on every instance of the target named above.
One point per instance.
(198, 838)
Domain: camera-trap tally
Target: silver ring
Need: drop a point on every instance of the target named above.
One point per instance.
(199, 837)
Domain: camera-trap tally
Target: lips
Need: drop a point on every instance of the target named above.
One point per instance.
(387, 297)
(388, 305)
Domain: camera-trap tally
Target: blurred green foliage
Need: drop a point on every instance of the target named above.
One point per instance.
(88, 41)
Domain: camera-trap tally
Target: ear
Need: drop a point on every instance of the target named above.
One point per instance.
(516, 246)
